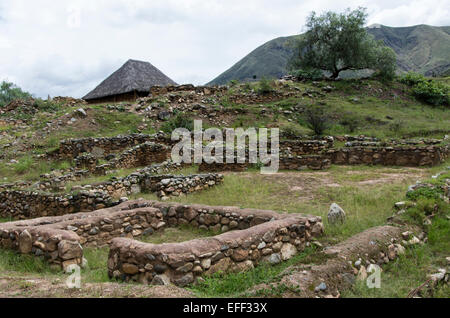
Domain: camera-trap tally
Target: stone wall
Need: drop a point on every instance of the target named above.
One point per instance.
(263, 236)
(164, 186)
(304, 147)
(139, 156)
(100, 147)
(203, 90)
(314, 162)
(86, 161)
(409, 156)
(255, 98)
(389, 156)
(15, 185)
(60, 239)
(27, 204)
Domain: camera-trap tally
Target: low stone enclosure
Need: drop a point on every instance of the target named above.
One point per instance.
(25, 204)
(72, 148)
(249, 237)
(18, 204)
(410, 156)
(158, 147)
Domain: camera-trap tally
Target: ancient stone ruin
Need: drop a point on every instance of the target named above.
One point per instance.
(256, 235)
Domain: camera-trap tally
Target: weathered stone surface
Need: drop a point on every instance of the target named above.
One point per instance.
(317, 229)
(336, 214)
(185, 280)
(67, 265)
(185, 268)
(161, 280)
(69, 250)
(190, 214)
(221, 266)
(206, 263)
(288, 251)
(130, 269)
(275, 258)
(269, 236)
(242, 266)
(240, 255)
(25, 242)
(160, 268)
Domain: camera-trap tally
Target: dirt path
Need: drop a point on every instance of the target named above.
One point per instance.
(27, 286)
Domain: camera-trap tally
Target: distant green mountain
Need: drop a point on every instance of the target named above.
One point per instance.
(421, 48)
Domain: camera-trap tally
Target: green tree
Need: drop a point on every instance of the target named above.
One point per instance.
(338, 42)
(10, 92)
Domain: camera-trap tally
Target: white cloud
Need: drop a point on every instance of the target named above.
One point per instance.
(68, 47)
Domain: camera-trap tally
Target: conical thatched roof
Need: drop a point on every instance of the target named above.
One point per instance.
(132, 76)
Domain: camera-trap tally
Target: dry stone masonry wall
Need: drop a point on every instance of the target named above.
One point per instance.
(100, 147)
(139, 156)
(390, 156)
(60, 239)
(412, 156)
(25, 204)
(262, 236)
(164, 186)
(32, 204)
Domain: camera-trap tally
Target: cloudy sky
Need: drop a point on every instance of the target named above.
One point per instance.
(67, 47)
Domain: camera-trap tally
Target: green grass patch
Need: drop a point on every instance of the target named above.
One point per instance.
(365, 205)
(97, 269)
(13, 261)
(177, 235)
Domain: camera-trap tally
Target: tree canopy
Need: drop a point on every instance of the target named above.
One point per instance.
(338, 42)
(10, 92)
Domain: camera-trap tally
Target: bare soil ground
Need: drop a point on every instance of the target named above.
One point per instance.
(54, 287)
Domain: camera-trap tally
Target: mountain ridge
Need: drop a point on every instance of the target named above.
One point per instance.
(421, 48)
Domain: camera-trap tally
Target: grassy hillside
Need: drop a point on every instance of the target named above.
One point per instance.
(269, 60)
(353, 107)
(422, 48)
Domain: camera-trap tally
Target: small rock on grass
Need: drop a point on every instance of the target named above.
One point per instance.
(321, 287)
(336, 214)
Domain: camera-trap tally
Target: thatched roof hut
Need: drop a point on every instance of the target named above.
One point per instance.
(134, 79)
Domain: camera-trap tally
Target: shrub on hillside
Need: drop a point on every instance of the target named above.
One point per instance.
(179, 121)
(427, 90)
(308, 74)
(291, 131)
(265, 86)
(46, 105)
(23, 165)
(317, 120)
(10, 92)
(431, 92)
(385, 63)
(350, 122)
(412, 78)
(234, 82)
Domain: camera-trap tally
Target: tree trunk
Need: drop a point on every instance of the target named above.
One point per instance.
(335, 74)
